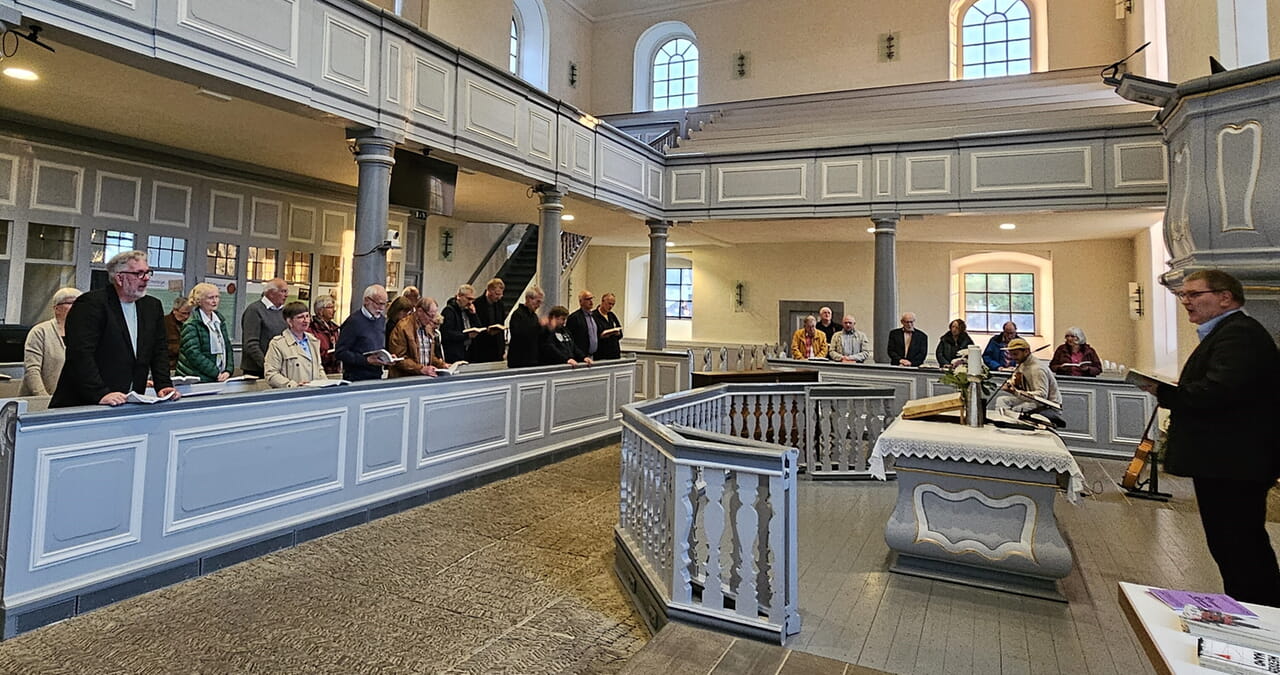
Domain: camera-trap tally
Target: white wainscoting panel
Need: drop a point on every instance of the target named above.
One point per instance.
(762, 182)
(620, 168)
(265, 216)
(226, 212)
(277, 461)
(541, 134)
(391, 74)
(841, 178)
(170, 204)
(347, 53)
(302, 224)
(531, 411)
(266, 27)
(335, 223)
(70, 525)
(117, 196)
(491, 112)
(463, 424)
(1066, 168)
(57, 187)
(579, 401)
(433, 88)
(382, 440)
(623, 392)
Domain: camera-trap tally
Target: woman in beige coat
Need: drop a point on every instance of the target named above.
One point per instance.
(294, 357)
(45, 350)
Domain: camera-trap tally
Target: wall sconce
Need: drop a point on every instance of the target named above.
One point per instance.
(890, 46)
(573, 74)
(740, 65)
(739, 296)
(1135, 300)
(1123, 7)
(446, 244)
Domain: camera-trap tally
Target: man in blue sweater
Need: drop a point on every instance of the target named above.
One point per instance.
(995, 355)
(364, 331)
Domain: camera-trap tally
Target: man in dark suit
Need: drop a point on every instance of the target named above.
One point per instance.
(610, 346)
(1222, 432)
(582, 325)
(491, 344)
(115, 340)
(526, 331)
(907, 346)
(460, 324)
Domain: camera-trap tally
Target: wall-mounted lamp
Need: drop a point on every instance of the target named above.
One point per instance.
(1135, 300)
(740, 65)
(446, 243)
(1123, 7)
(573, 74)
(890, 47)
(739, 296)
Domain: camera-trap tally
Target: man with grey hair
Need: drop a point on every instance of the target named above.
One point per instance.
(460, 324)
(809, 342)
(363, 332)
(173, 321)
(260, 322)
(826, 323)
(907, 346)
(849, 345)
(526, 331)
(115, 340)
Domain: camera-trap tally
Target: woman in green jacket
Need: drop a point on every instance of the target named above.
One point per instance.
(206, 345)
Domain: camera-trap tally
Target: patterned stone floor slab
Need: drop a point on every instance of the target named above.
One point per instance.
(502, 579)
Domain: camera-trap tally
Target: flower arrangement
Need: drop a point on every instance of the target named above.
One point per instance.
(960, 377)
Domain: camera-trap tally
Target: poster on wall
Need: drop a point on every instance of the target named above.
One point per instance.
(227, 302)
(165, 287)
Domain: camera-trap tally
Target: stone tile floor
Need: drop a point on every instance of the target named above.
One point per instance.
(513, 577)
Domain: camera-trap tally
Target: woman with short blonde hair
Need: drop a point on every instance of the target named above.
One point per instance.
(206, 340)
(45, 350)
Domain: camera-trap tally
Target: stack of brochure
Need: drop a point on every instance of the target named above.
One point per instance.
(1232, 639)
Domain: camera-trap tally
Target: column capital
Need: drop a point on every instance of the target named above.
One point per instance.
(368, 134)
(886, 220)
(658, 228)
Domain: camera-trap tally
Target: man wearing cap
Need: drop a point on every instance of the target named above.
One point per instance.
(1031, 376)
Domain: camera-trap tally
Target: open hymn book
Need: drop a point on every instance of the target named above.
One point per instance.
(135, 397)
(611, 332)
(1139, 378)
(384, 357)
(476, 331)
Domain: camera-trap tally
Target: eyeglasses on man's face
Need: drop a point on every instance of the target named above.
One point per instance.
(1192, 295)
(139, 274)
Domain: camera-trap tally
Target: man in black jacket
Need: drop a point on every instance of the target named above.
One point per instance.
(582, 325)
(115, 340)
(1222, 432)
(610, 346)
(460, 324)
(907, 346)
(526, 331)
(491, 344)
(556, 347)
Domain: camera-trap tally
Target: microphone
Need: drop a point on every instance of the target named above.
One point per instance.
(1109, 74)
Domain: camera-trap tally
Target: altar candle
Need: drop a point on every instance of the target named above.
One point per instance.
(974, 358)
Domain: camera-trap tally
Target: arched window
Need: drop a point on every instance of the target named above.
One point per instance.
(675, 75)
(665, 68)
(514, 50)
(995, 39)
(529, 53)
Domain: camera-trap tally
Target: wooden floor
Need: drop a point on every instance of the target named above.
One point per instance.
(684, 649)
(854, 610)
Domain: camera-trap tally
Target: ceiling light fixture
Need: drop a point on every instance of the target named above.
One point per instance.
(669, 244)
(1008, 226)
(871, 230)
(21, 74)
(217, 96)
(568, 217)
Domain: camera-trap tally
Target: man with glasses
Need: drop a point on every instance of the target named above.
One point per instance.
(260, 323)
(363, 332)
(1222, 431)
(582, 325)
(461, 325)
(115, 340)
(907, 346)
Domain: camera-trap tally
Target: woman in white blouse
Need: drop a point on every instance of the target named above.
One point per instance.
(46, 348)
(206, 342)
(295, 356)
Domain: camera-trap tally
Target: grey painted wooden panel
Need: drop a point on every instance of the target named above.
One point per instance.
(69, 524)
(265, 216)
(57, 187)
(688, 186)
(279, 460)
(1034, 169)
(619, 169)
(8, 180)
(767, 182)
(930, 175)
(531, 407)
(170, 204)
(489, 113)
(842, 178)
(579, 401)
(471, 422)
(117, 196)
(382, 440)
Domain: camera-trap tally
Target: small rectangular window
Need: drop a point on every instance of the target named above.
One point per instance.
(297, 268)
(330, 269)
(222, 260)
(107, 244)
(990, 300)
(679, 293)
(261, 264)
(50, 265)
(167, 253)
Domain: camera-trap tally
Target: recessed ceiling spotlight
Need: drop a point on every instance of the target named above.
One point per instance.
(215, 95)
(669, 244)
(568, 217)
(1008, 226)
(872, 230)
(21, 74)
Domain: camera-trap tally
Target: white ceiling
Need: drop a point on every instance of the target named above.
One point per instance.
(82, 90)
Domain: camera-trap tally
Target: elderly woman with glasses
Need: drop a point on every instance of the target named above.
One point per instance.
(1075, 357)
(206, 341)
(293, 357)
(326, 331)
(46, 349)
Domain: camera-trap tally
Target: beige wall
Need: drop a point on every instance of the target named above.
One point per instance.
(1192, 26)
(783, 59)
(570, 42)
(1089, 287)
(441, 278)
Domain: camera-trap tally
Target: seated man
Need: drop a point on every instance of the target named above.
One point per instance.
(907, 346)
(1031, 376)
(849, 345)
(995, 355)
(826, 325)
(809, 342)
(556, 346)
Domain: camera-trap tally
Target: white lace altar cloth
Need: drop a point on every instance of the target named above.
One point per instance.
(1023, 449)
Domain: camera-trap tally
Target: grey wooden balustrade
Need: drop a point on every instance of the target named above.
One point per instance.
(707, 523)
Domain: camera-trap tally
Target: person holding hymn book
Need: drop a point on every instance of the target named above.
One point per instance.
(491, 345)
(294, 357)
(953, 343)
(610, 346)
(460, 324)
(205, 349)
(361, 337)
(556, 346)
(1075, 356)
(526, 331)
(416, 344)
